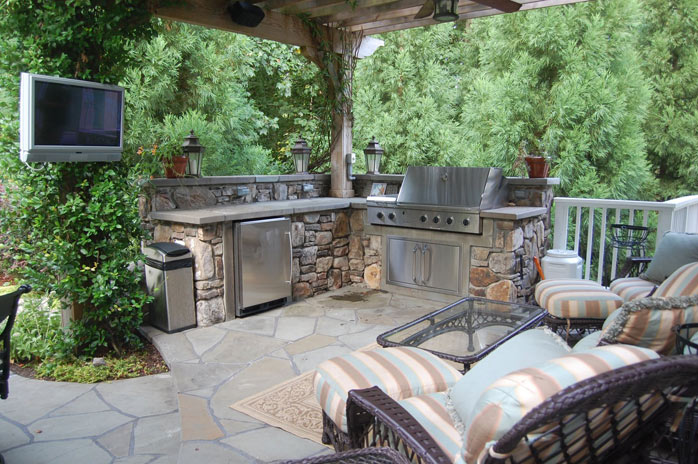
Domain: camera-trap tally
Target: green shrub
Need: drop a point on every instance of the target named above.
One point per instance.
(82, 371)
(37, 332)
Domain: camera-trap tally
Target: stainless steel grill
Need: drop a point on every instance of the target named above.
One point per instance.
(441, 198)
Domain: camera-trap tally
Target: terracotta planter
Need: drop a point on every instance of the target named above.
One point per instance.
(538, 166)
(175, 167)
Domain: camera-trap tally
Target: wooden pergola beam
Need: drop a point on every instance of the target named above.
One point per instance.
(507, 6)
(275, 26)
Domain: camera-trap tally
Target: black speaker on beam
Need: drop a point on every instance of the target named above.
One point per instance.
(245, 14)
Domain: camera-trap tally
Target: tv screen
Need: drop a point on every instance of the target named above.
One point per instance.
(70, 120)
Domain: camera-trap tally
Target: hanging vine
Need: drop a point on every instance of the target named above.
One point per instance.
(337, 70)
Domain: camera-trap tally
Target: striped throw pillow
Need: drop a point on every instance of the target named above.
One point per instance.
(576, 298)
(511, 397)
(682, 282)
(401, 372)
(647, 322)
(431, 412)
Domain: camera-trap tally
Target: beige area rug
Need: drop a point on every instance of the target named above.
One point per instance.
(290, 405)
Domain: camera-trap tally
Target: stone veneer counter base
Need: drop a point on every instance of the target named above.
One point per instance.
(255, 210)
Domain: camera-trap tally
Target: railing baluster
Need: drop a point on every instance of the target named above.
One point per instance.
(614, 259)
(590, 237)
(602, 245)
(562, 212)
(577, 229)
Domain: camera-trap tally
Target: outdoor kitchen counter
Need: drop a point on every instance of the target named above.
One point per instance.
(513, 213)
(262, 209)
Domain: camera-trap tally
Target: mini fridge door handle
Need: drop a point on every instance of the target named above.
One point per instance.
(290, 258)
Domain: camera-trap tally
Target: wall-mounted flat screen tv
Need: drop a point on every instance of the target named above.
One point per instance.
(70, 120)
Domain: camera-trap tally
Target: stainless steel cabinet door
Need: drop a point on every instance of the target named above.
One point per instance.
(441, 266)
(436, 266)
(264, 261)
(404, 261)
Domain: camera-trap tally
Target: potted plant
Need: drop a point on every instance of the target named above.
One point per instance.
(537, 161)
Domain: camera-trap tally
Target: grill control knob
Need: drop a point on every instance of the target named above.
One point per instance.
(379, 215)
(436, 219)
(466, 222)
(449, 221)
(391, 216)
(423, 218)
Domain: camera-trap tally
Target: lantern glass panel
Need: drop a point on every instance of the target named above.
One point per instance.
(446, 10)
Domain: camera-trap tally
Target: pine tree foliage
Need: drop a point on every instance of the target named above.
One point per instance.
(563, 82)
(669, 40)
(193, 78)
(407, 95)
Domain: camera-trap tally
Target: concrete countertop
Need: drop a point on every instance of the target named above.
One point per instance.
(257, 210)
(513, 213)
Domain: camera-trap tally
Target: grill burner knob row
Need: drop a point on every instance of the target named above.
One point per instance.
(391, 216)
(423, 218)
(466, 222)
(436, 219)
(449, 221)
(379, 215)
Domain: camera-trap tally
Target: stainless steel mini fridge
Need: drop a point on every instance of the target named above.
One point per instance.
(262, 265)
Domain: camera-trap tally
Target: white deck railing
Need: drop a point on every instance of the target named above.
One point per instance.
(572, 215)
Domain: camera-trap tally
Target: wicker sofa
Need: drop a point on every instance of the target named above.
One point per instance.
(612, 417)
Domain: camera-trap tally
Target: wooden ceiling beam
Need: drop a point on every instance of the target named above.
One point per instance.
(405, 22)
(506, 6)
(370, 14)
(212, 13)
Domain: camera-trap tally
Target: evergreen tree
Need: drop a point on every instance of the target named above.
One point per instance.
(193, 78)
(407, 95)
(564, 82)
(670, 50)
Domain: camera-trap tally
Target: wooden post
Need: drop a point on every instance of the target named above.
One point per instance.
(340, 150)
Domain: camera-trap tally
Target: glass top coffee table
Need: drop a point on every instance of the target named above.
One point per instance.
(467, 330)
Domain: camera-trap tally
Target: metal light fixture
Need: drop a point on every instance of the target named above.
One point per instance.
(373, 153)
(445, 10)
(301, 155)
(194, 151)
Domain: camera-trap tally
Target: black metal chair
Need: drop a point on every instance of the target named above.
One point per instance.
(8, 312)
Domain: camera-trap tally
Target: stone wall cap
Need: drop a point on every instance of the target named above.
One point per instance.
(201, 181)
(527, 181)
(513, 213)
(246, 211)
(266, 179)
(296, 177)
(381, 177)
(358, 202)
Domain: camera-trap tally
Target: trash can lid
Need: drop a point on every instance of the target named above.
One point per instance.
(557, 253)
(169, 248)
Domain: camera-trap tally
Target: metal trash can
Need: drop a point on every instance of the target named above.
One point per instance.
(169, 279)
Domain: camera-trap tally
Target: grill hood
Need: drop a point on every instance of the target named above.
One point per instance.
(453, 187)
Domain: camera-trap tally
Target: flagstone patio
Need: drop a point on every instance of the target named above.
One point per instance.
(185, 416)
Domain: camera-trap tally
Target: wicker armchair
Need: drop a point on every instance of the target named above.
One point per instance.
(8, 311)
(613, 417)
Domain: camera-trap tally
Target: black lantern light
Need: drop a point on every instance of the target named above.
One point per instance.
(445, 10)
(301, 155)
(194, 151)
(374, 153)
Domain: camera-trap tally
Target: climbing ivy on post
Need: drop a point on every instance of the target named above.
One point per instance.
(74, 226)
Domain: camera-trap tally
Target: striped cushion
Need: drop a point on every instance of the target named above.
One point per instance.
(647, 322)
(631, 288)
(511, 397)
(570, 298)
(400, 372)
(682, 282)
(431, 412)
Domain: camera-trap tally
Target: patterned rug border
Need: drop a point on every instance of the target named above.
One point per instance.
(289, 405)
